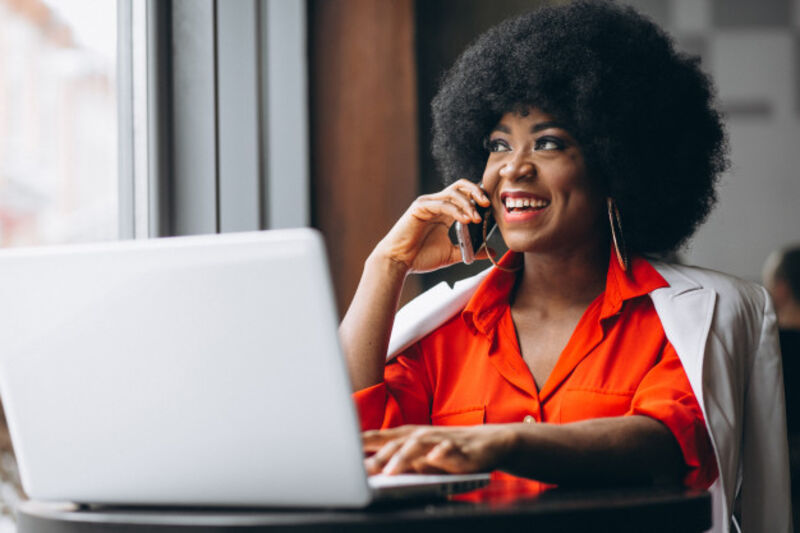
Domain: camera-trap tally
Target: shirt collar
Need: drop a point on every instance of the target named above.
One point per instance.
(639, 280)
(491, 299)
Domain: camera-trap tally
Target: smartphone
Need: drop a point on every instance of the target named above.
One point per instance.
(470, 236)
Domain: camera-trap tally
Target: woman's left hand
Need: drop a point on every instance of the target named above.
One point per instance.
(437, 449)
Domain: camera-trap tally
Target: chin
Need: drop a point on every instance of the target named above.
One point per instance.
(525, 243)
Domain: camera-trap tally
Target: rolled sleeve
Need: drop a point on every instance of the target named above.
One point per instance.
(666, 395)
(402, 398)
(371, 406)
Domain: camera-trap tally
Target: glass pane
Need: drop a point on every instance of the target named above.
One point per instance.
(58, 121)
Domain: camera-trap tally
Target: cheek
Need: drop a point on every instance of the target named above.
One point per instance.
(568, 185)
(569, 178)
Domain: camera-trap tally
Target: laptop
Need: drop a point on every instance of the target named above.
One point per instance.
(185, 371)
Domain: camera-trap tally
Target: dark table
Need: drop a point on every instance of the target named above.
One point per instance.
(490, 509)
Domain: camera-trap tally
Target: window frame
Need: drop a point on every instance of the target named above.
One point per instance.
(213, 116)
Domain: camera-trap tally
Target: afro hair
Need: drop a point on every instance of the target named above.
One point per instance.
(641, 111)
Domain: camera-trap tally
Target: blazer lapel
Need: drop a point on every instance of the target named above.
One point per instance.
(430, 310)
(686, 310)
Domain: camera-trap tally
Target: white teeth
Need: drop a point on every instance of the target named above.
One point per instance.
(519, 203)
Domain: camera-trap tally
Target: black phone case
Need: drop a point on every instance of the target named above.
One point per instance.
(476, 230)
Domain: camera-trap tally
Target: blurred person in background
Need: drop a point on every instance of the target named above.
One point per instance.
(782, 279)
(592, 143)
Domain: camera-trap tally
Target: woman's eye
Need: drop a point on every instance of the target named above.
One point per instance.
(549, 143)
(497, 145)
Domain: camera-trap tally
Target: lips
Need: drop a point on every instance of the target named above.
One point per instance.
(518, 203)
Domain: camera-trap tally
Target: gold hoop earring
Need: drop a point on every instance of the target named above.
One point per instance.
(615, 221)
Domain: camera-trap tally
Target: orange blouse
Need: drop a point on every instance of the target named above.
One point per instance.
(618, 362)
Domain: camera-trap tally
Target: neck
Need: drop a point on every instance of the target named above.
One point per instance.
(555, 281)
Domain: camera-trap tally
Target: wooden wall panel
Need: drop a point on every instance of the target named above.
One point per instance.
(364, 155)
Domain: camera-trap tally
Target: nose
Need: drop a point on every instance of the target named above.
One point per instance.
(518, 167)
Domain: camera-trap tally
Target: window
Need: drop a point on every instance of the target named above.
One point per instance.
(58, 121)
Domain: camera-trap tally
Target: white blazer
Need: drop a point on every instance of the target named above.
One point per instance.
(724, 331)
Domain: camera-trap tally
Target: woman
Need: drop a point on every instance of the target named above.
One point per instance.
(593, 143)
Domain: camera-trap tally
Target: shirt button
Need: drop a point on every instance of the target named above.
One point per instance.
(529, 419)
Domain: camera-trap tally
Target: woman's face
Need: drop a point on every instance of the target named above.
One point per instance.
(536, 178)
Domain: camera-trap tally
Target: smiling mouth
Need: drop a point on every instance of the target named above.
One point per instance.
(520, 205)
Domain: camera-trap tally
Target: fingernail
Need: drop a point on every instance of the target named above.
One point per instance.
(390, 467)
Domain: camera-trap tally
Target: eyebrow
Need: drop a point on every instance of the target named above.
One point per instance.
(535, 128)
(545, 125)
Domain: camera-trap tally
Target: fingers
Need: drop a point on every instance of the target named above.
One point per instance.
(462, 199)
(421, 466)
(466, 194)
(416, 449)
(376, 463)
(412, 451)
(424, 449)
(399, 450)
(430, 207)
(449, 457)
(374, 440)
(456, 201)
(473, 191)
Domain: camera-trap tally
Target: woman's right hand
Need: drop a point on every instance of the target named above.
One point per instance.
(419, 240)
